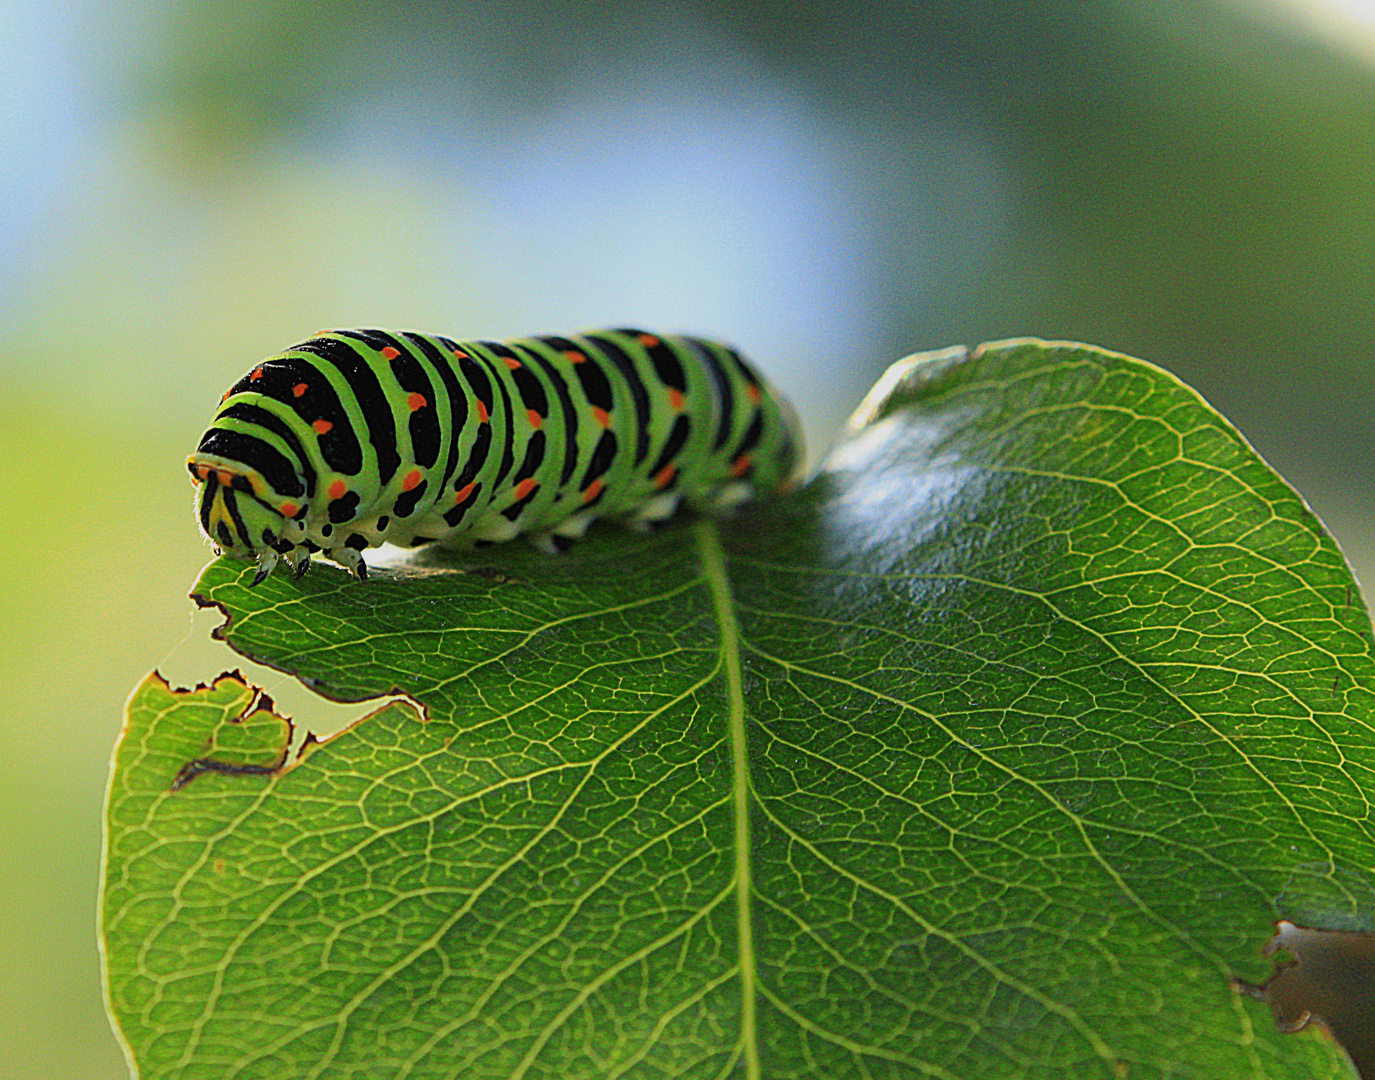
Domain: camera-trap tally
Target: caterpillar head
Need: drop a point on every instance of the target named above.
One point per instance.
(238, 521)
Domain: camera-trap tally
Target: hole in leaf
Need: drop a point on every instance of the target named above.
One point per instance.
(315, 718)
(1328, 978)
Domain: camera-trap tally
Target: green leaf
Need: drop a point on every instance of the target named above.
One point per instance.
(995, 752)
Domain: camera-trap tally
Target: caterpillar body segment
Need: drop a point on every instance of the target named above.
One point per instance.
(358, 437)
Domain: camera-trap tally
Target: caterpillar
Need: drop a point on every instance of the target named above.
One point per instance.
(358, 437)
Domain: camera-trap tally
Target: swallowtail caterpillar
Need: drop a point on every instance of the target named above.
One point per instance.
(357, 437)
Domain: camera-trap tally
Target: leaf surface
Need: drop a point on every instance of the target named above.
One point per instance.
(995, 752)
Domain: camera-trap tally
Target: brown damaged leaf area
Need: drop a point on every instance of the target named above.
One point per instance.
(260, 712)
(229, 727)
(225, 726)
(1324, 978)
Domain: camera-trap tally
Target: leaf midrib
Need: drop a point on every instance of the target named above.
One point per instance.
(714, 571)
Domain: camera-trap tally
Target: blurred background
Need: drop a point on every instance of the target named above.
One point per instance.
(186, 187)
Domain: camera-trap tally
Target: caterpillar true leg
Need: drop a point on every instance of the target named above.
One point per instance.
(267, 561)
(350, 560)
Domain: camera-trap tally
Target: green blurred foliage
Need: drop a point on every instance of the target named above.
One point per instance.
(1191, 185)
(1183, 182)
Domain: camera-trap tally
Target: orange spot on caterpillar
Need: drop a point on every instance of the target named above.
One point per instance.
(462, 493)
(593, 490)
(416, 401)
(601, 416)
(511, 362)
(289, 509)
(225, 478)
(664, 476)
(536, 420)
(299, 389)
(389, 353)
(525, 487)
(324, 427)
(411, 480)
(741, 465)
(225, 396)
(256, 375)
(481, 412)
(574, 357)
(648, 340)
(459, 354)
(203, 471)
(337, 489)
(675, 398)
(752, 392)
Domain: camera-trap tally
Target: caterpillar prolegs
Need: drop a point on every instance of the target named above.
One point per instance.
(357, 437)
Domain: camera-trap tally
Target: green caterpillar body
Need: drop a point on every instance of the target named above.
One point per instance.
(357, 437)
